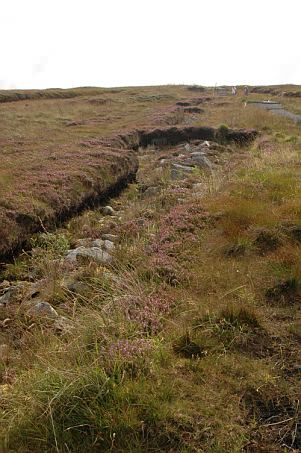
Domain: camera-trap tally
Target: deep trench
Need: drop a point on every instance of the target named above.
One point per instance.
(91, 202)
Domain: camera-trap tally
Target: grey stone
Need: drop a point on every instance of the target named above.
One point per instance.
(203, 146)
(110, 237)
(98, 243)
(77, 287)
(9, 295)
(108, 245)
(183, 168)
(197, 154)
(95, 253)
(179, 171)
(202, 162)
(63, 325)
(187, 163)
(72, 254)
(151, 191)
(108, 210)
(42, 310)
(187, 147)
(19, 291)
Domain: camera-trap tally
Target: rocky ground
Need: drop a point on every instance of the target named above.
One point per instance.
(180, 164)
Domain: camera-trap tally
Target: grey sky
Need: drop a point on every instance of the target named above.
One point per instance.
(67, 43)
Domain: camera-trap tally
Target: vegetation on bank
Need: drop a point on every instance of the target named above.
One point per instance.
(190, 339)
(53, 159)
(52, 93)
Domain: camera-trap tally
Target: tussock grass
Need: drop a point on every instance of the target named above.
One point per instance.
(75, 404)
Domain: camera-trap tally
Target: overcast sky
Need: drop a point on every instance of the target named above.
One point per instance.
(68, 43)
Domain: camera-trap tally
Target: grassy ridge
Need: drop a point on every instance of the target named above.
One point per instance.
(52, 93)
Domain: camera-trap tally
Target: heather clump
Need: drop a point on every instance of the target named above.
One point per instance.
(186, 217)
(133, 356)
(164, 268)
(128, 350)
(170, 116)
(132, 228)
(177, 234)
(147, 313)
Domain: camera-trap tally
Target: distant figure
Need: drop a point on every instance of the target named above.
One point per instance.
(234, 91)
(246, 90)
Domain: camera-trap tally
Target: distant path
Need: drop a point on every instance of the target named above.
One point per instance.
(277, 108)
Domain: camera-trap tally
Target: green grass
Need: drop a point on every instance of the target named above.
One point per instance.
(82, 405)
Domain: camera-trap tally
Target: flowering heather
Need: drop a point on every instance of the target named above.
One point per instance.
(132, 228)
(170, 115)
(186, 217)
(177, 229)
(147, 312)
(179, 190)
(130, 349)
